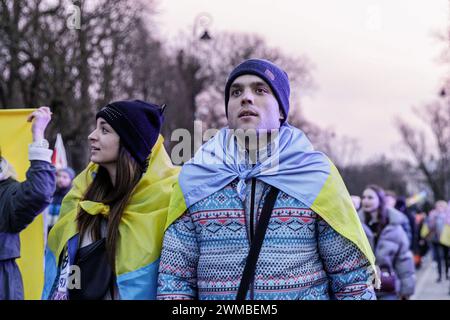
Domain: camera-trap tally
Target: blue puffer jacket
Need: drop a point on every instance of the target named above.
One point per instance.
(19, 205)
(392, 251)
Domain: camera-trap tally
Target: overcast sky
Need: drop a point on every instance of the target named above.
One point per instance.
(373, 59)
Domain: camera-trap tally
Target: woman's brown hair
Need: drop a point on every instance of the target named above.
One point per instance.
(128, 174)
(382, 211)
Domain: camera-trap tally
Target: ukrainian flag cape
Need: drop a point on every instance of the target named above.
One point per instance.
(141, 229)
(292, 166)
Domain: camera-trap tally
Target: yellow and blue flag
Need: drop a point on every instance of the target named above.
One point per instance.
(292, 166)
(141, 229)
(15, 136)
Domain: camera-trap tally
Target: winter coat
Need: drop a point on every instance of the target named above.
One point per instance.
(392, 251)
(20, 203)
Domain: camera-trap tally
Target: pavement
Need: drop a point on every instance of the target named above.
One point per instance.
(426, 286)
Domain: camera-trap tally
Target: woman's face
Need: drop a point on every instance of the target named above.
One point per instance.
(370, 201)
(104, 143)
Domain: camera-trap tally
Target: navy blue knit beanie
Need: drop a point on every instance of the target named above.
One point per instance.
(138, 125)
(275, 77)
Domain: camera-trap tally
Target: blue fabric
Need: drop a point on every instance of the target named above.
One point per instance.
(58, 196)
(140, 284)
(50, 274)
(53, 209)
(51, 269)
(291, 162)
(136, 285)
(20, 203)
(72, 248)
(11, 287)
(9, 246)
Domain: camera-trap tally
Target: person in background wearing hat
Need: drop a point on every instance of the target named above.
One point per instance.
(314, 246)
(106, 243)
(20, 203)
(64, 179)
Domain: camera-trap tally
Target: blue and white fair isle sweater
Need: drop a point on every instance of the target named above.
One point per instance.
(302, 257)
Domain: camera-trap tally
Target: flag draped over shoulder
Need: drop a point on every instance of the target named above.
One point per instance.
(294, 168)
(141, 229)
(15, 136)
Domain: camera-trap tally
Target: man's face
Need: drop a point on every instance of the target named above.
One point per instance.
(63, 179)
(252, 105)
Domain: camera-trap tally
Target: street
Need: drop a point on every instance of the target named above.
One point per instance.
(426, 286)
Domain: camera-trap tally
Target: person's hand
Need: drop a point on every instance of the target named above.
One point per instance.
(40, 117)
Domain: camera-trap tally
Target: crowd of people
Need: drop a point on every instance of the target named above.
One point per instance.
(402, 235)
(231, 223)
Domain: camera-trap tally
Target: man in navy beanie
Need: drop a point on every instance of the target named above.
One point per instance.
(265, 75)
(266, 227)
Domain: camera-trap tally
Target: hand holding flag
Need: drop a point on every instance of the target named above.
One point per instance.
(40, 118)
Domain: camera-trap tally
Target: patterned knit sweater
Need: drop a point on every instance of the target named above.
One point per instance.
(302, 257)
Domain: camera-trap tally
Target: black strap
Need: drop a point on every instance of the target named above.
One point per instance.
(255, 248)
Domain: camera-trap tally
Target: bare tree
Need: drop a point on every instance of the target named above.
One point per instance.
(116, 55)
(75, 71)
(431, 157)
(190, 76)
(227, 50)
(380, 171)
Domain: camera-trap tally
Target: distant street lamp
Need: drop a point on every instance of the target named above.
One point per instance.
(203, 20)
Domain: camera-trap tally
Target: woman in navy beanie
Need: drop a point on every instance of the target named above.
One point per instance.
(113, 218)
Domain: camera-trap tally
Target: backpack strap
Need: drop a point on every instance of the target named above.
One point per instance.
(255, 248)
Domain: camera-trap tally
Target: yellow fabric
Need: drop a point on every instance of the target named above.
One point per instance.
(333, 204)
(15, 135)
(95, 208)
(177, 205)
(445, 236)
(142, 226)
(424, 231)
